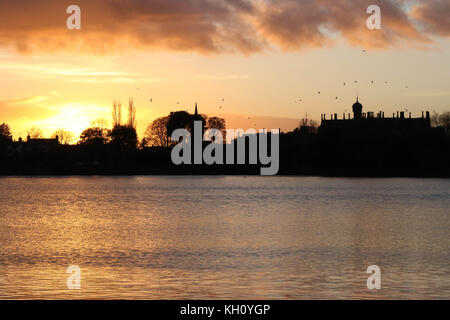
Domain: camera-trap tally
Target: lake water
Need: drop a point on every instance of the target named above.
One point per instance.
(224, 237)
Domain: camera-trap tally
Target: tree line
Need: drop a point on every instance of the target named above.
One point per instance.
(158, 132)
(123, 133)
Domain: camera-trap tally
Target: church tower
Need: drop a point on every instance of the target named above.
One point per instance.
(357, 109)
(198, 117)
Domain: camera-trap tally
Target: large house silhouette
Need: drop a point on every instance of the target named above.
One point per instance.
(365, 125)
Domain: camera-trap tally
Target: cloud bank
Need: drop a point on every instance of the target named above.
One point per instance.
(218, 26)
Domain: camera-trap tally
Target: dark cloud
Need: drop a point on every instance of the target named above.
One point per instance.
(214, 26)
(434, 15)
(295, 24)
(108, 25)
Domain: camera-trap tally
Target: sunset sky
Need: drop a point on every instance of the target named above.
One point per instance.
(260, 56)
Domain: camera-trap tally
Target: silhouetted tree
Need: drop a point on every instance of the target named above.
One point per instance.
(305, 122)
(434, 119)
(94, 136)
(144, 143)
(217, 123)
(178, 120)
(35, 133)
(131, 114)
(117, 113)
(444, 120)
(124, 136)
(64, 136)
(5, 133)
(99, 123)
(441, 120)
(156, 133)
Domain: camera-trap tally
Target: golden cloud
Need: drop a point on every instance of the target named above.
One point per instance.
(215, 26)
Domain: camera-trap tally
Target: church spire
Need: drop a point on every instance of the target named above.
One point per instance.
(196, 111)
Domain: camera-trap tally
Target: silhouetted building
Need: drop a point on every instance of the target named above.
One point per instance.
(368, 126)
(43, 142)
(32, 146)
(357, 109)
(198, 117)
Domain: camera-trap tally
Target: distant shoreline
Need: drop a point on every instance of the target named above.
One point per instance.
(301, 153)
(443, 175)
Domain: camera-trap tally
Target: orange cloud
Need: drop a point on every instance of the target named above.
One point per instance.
(434, 15)
(296, 24)
(215, 26)
(107, 25)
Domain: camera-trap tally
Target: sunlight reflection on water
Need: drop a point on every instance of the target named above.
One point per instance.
(224, 237)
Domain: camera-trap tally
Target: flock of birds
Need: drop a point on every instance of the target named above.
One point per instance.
(220, 106)
(300, 100)
(345, 84)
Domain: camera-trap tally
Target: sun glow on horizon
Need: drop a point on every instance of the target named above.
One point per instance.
(73, 117)
(270, 89)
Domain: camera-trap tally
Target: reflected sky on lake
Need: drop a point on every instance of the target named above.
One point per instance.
(224, 237)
